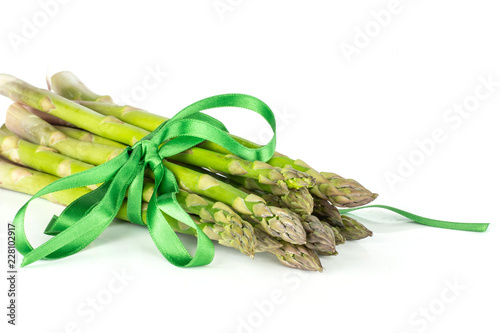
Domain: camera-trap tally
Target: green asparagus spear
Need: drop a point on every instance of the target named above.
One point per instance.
(34, 129)
(265, 242)
(353, 229)
(252, 184)
(298, 256)
(339, 239)
(67, 84)
(231, 165)
(319, 238)
(74, 113)
(327, 212)
(222, 215)
(298, 201)
(82, 135)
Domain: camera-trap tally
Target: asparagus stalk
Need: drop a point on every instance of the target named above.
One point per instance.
(298, 256)
(48, 117)
(232, 165)
(328, 212)
(264, 241)
(295, 178)
(352, 193)
(20, 179)
(319, 237)
(226, 234)
(298, 201)
(32, 128)
(74, 113)
(252, 184)
(48, 160)
(38, 157)
(339, 239)
(343, 194)
(353, 229)
(67, 84)
(82, 135)
(223, 216)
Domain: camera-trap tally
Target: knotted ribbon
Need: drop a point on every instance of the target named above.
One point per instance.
(88, 216)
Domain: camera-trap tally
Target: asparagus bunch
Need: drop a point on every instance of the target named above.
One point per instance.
(44, 159)
(340, 191)
(24, 180)
(117, 130)
(283, 207)
(27, 125)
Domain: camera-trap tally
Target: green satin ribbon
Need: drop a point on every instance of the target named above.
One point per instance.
(88, 216)
(479, 227)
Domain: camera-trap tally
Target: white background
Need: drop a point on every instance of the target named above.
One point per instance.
(356, 115)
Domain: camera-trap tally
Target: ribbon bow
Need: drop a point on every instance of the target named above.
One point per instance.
(88, 216)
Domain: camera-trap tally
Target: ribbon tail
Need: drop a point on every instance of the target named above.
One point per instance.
(167, 241)
(464, 226)
(92, 176)
(72, 236)
(84, 229)
(164, 211)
